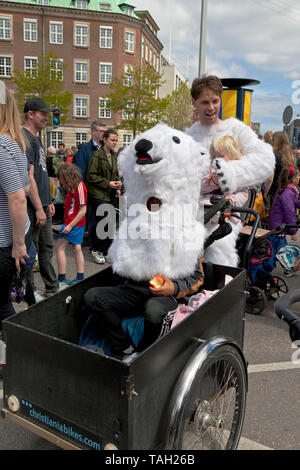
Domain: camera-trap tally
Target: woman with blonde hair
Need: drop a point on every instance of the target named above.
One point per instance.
(284, 157)
(14, 181)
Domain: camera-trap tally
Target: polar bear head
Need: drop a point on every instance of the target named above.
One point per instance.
(161, 233)
(164, 164)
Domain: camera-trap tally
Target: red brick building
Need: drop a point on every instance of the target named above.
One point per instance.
(97, 40)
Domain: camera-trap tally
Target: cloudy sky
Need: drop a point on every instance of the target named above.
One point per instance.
(245, 39)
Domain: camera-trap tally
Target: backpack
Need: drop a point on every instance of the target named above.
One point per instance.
(288, 256)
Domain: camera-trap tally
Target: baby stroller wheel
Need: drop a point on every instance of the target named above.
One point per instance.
(276, 287)
(256, 301)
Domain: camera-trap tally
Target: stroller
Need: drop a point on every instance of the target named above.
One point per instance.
(267, 250)
(258, 255)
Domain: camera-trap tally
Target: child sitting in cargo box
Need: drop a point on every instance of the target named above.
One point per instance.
(72, 231)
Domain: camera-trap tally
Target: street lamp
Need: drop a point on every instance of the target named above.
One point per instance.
(202, 48)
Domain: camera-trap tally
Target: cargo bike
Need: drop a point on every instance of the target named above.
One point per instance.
(187, 391)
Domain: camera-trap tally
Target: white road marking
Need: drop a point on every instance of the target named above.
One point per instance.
(247, 444)
(273, 366)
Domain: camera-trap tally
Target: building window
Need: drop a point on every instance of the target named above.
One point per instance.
(81, 35)
(5, 27)
(57, 137)
(150, 56)
(105, 6)
(106, 37)
(81, 106)
(146, 52)
(128, 77)
(104, 111)
(129, 41)
(43, 2)
(81, 4)
(57, 69)
(80, 138)
(5, 65)
(127, 138)
(128, 10)
(81, 71)
(105, 73)
(127, 112)
(30, 30)
(30, 66)
(56, 32)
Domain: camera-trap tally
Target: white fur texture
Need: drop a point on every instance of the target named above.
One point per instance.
(256, 165)
(170, 240)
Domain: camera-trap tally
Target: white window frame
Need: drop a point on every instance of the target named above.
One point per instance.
(80, 106)
(127, 138)
(81, 4)
(104, 111)
(80, 138)
(43, 2)
(128, 10)
(30, 69)
(32, 30)
(5, 29)
(81, 71)
(56, 138)
(106, 40)
(104, 73)
(105, 6)
(57, 67)
(128, 81)
(56, 37)
(127, 114)
(129, 41)
(81, 38)
(6, 67)
(146, 53)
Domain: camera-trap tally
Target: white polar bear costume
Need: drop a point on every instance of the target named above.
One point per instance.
(254, 168)
(162, 233)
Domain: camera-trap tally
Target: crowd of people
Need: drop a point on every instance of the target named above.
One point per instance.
(88, 178)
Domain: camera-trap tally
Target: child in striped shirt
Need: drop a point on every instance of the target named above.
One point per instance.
(72, 231)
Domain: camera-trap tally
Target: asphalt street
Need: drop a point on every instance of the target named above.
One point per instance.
(272, 418)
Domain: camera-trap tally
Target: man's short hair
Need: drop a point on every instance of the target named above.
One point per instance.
(211, 82)
(97, 124)
(108, 132)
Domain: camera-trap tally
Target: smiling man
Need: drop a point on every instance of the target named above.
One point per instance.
(257, 163)
(255, 166)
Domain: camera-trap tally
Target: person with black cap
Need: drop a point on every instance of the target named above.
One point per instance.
(40, 207)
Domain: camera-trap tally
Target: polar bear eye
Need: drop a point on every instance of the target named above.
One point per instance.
(176, 139)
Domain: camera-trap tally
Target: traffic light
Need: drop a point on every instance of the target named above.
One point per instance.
(56, 117)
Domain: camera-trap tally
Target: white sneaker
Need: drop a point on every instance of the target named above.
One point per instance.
(39, 296)
(63, 285)
(98, 257)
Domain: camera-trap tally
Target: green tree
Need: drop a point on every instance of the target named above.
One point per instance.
(179, 110)
(45, 80)
(134, 96)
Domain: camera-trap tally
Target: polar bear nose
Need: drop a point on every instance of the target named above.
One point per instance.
(143, 146)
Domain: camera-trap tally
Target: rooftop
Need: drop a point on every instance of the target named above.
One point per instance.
(124, 7)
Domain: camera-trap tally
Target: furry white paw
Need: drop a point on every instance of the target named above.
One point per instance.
(226, 177)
